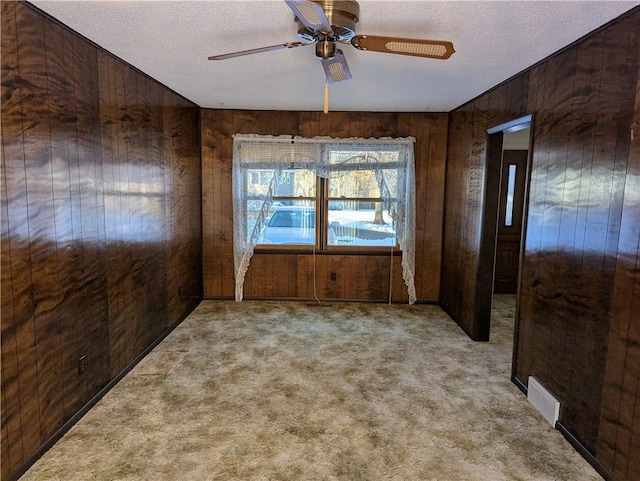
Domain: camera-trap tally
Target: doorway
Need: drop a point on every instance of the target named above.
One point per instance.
(515, 151)
(504, 211)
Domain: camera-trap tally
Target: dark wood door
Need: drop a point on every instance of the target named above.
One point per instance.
(514, 163)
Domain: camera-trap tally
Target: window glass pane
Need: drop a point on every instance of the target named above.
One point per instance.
(359, 183)
(511, 186)
(361, 159)
(297, 183)
(293, 183)
(258, 181)
(291, 222)
(360, 223)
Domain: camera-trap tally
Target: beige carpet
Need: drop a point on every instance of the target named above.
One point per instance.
(288, 391)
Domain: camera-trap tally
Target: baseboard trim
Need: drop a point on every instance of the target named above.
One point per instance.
(577, 445)
(94, 400)
(520, 385)
(473, 336)
(322, 300)
(584, 452)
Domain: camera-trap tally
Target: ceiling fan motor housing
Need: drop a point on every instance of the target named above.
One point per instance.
(342, 15)
(326, 49)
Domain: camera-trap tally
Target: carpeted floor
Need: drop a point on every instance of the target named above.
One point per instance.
(291, 391)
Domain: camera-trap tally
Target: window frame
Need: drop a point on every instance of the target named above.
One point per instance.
(356, 248)
(295, 247)
(321, 202)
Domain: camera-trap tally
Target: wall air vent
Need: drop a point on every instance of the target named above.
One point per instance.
(543, 401)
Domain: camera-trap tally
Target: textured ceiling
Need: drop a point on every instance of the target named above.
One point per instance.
(171, 40)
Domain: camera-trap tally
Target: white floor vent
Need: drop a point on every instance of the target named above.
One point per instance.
(543, 401)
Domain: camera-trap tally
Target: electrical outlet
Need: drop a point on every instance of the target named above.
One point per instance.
(82, 364)
(334, 276)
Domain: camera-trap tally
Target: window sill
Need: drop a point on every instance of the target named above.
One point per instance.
(340, 251)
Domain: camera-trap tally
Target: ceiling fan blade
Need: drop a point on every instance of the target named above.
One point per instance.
(336, 68)
(404, 46)
(258, 50)
(311, 15)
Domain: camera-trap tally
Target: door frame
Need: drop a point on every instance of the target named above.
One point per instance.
(489, 221)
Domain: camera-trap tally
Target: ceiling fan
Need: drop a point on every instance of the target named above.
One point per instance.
(328, 22)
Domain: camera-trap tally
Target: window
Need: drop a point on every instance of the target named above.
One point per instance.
(352, 209)
(324, 194)
(357, 213)
(511, 187)
(291, 216)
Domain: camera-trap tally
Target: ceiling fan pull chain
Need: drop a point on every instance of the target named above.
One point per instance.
(326, 97)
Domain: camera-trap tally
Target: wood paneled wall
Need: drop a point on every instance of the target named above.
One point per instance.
(618, 443)
(466, 178)
(578, 314)
(291, 275)
(100, 223)
(619, 434)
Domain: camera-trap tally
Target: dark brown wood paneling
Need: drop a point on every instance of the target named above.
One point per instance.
(358, 277)
(21, 413)
(619, 439)
(114, 211)
(61, 94)
(465, 189)
(46, 285)
(453, 278)
(210, 147)
(183, 208)
(579, 271)
(432, 205)
(11, 422)
(222, 170)
(274, 275)
(92, 282)
(101, 223)
(578, 209)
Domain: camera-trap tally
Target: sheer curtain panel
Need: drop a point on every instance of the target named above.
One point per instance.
(263, 166)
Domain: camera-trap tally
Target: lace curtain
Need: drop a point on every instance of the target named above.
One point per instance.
(392, 161)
